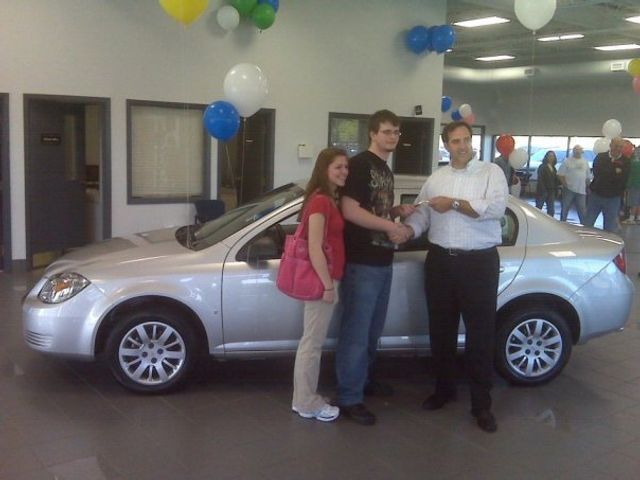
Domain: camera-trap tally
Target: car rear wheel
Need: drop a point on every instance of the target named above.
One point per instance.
(151, 351)
(532, 346)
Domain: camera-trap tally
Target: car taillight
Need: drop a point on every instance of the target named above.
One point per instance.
(621, 261)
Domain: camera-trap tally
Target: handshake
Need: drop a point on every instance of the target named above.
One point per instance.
(400, 233)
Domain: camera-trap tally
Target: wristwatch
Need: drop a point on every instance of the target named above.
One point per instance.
(455, 204)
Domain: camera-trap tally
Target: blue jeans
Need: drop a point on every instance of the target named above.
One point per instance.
(609, 206)
(364, 295)
(569, 197)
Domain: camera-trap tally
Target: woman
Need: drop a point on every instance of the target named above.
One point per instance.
(547, 185)
(322, 214)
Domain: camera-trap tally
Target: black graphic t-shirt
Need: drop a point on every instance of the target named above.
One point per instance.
(370, 183)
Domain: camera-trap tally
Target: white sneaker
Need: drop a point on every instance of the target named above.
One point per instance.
(327, 413)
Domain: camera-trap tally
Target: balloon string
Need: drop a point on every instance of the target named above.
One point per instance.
(244, 136)
(531, 81)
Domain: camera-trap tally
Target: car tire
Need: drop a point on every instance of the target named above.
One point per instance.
(532, 346)
(152, 351)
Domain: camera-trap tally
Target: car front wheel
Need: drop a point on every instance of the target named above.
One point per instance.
(151, 351)
(533, 346)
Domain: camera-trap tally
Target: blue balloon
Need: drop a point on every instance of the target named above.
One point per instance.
(417, 39)
(275, 4)
(455, 116)
(430, 42)
(443, 38)
(221, 119)
(445, 104)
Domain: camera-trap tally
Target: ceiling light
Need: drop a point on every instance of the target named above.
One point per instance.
(495, 58)
(635, 19)
(481, 22)
(555, 38)
(608, 48)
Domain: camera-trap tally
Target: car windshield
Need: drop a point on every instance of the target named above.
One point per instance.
(203, 236)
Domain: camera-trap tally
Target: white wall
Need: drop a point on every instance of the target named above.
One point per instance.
(319, 56)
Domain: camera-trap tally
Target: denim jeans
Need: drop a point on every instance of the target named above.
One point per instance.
(364, 294)
(569, 197)
(609, 207)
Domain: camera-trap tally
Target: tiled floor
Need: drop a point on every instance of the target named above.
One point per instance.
(66, 420)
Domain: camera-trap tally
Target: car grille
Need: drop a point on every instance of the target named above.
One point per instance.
(38, 340)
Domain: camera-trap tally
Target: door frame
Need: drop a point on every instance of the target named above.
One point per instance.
(105, 167)
(6, 184)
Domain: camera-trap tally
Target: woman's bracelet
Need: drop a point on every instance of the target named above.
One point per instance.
(328, 289)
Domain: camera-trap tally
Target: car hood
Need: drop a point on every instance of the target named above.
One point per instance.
(138, 248)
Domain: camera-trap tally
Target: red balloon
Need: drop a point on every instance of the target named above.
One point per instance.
(505, 145)
(636, 84)
(470, 119)
(628, 149)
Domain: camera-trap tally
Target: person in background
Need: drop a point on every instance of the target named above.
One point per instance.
(508, 170)
(547, 185)
(610, 175)
(633, 190)
(370, 235)
(321, 212)
(574, 175)
(465, 202)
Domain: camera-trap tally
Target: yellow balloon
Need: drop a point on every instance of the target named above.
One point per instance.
(634, 67)
(184, 11)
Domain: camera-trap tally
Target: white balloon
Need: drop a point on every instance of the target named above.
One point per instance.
(534, 14)
(518, 158)
(465, 110)
(611, 128)
(228, 17)
(601, 145)
(246, 87)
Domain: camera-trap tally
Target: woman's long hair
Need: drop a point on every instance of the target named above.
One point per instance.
(319, 181)
(548, 155)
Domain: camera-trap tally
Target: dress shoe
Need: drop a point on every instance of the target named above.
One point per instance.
(486, 420)
(438, 400)
(358, 413)
(378, 389)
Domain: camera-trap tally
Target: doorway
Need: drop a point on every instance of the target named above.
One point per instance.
(67, 174)
(5, 193)
(245, 163)
(414, 152)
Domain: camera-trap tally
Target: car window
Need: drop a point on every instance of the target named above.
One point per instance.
(268, 244)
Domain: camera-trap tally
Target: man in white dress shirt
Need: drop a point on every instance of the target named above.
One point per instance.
(574, 175)
(466, 201)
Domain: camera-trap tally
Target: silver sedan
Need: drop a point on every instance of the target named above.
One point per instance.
(154, 302)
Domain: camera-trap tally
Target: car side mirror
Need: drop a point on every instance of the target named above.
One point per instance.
(261, 250)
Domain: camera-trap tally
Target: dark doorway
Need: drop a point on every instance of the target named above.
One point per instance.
(415, 148)
(67, 165)
(5, 193)
(245, 163)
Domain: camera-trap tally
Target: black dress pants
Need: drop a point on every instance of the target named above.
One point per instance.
(463, 283)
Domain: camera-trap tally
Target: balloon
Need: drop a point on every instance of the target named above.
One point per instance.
(443, 38)
(228, 17)
(469, 119)
(431, 31)
(455, 116)
(601, 145)
(634, 67)
(244, 7)
(221, 120)
(518, 158)
(465, 110)
(445, 104)
(636, 84)
(275, 4)
(184, 11)
(534, 14)
(417, 39)
(246, 87)
(628, 148)
(263, 16)
(505, 145)
(611, 128)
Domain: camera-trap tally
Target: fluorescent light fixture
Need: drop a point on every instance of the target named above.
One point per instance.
(555, 38)
(495, 58)
(610, 48)
(481, 22)
(635, 19)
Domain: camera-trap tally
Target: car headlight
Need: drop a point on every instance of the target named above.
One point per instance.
(61, 287)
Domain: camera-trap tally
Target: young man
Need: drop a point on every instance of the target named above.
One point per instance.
(466, 201)
(370, 235)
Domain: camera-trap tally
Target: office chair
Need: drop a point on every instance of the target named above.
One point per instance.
(208, 210)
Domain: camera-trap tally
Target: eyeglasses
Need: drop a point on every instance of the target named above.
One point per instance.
(388, 133)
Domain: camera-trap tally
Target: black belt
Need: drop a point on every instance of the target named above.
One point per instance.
(454, 252)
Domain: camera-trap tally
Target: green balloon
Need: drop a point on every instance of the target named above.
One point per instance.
(263, 16)
(244, 7)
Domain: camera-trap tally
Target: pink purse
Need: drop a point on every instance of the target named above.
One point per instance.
(296, 275)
